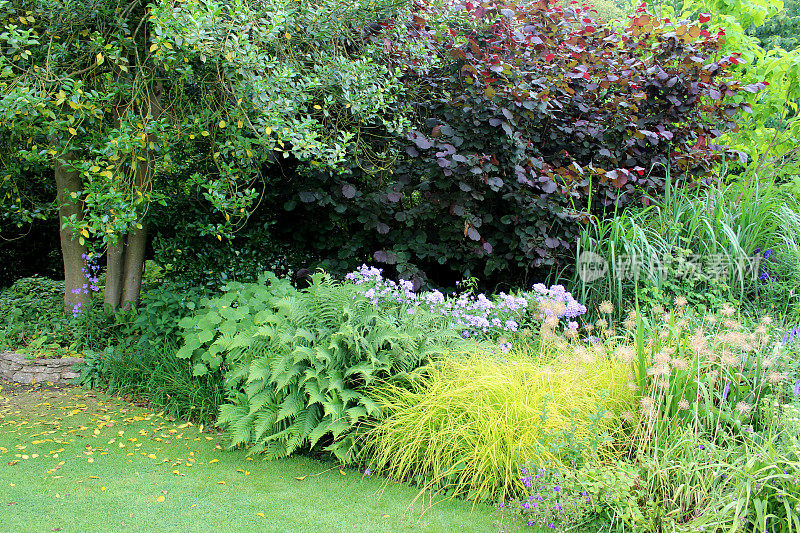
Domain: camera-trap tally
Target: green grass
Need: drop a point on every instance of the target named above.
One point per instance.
(728, 222)
(68, 460)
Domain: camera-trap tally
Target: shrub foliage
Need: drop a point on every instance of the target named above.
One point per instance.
(529, 119)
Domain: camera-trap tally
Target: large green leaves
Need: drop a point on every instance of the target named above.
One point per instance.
(300, 381)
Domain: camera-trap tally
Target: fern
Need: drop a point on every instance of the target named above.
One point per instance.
(299, 362)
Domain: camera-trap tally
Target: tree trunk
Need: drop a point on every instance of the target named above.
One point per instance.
(134, 267)
(76, 283)
(132, 246)
(114, 273)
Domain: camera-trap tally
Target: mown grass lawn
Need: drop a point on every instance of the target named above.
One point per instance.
(76, 460)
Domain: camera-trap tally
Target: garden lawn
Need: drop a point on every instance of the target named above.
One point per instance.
(76, 460)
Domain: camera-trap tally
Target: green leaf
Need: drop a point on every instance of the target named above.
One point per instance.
(199, 369)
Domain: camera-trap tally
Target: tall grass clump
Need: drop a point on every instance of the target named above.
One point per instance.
(705, 433)
(464, 424)
(711, 244)
(166, 382)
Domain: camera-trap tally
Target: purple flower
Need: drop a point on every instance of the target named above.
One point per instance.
(726, 390)
(796, 390)
(531, 523)
(367, 472)
(767, 254)
(702, 447)
(557, 488)
(526, 505)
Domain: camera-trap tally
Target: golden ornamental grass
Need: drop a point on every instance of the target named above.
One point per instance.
(465, 423)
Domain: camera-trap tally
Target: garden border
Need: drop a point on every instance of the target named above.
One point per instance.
(22, 368)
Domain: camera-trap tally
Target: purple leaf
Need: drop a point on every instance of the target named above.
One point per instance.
(382, 228)
(447, 149)
(473, 234)
(348, 191)
(547, 185)
(382, 256)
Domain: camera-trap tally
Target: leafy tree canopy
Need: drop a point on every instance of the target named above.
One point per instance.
(106, 91)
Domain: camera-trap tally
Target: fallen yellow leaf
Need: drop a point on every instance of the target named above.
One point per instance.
(160, 499)
(261, 515)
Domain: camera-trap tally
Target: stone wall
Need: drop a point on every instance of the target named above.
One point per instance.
(23, 369)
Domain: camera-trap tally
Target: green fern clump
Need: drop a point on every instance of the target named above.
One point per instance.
(298, 362)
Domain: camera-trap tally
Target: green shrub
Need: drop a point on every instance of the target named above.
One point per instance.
(156, 320)
(32, 318)
(30, 307)
(94, 372)
(299, 361)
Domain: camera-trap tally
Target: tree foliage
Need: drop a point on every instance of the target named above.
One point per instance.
(107, 91)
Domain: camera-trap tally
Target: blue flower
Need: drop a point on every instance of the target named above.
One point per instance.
(767, 254)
